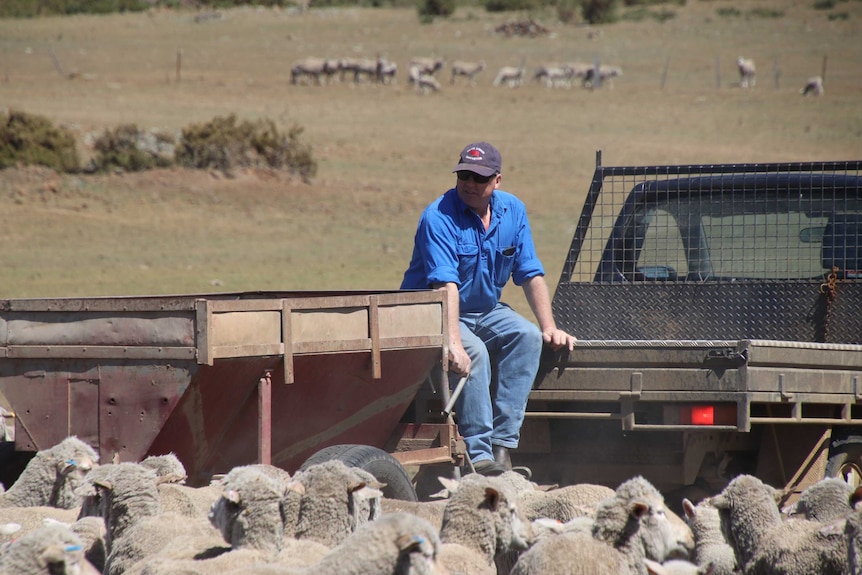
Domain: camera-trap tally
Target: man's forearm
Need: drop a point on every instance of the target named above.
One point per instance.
(536, 292)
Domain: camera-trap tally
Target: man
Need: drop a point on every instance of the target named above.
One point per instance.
(469, 242)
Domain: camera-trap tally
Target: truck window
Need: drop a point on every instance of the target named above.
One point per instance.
(662, 254)
(765, 245)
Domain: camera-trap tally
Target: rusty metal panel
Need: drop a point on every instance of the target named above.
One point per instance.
(99, 352)
(103, 328)
(111, 304)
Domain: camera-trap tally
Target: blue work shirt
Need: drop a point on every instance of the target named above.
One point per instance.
(452, 245)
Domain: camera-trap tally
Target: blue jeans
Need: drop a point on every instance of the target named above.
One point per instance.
(490, 409)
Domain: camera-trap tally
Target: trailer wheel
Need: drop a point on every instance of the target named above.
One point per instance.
(845, 459)
(385, 468)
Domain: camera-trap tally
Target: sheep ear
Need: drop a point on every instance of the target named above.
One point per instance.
(66, 466)
(720, 501)
(688, 508)
(449, 484)
(296, 487)
(856, 496)
(409, 542)
(104, 484)
(706, 569)
(233, 496)
(654, 567)
(638, 509)
(492, 498)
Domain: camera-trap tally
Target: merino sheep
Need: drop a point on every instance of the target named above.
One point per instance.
(431, 511)
(468, 70)
(813, 86)
(628, 528)
(710, 545)
(137, 528)
(17, 521)
(554, 76)
(596, 77)
(328, 501)
(823, 501)
(52, 476)
(49, 550)
(765, 544)
(747, 72)
(481, 521)
(509, 76)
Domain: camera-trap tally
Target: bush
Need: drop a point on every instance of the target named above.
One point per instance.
(568, 11)
(128, 148)
(430, 9)
(28, 139)
(510, 5)
(224, 144)
(33, 8)
(599, 11)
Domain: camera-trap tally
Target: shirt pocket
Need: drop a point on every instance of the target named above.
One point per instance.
(468, 259)
(503, 264)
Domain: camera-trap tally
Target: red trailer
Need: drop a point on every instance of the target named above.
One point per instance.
(228, 379)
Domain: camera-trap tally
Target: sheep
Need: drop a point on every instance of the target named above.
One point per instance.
(628, 527)
(308, 68)
(510, 76)
(677, 567)
(92, 532)
(52, 476)
(598, 76)
(481, 520)
(853, 532)
(710, 545)
(429, 66)
(813, 85)
(328, 501)
(554, 76)
(823, 501)
(136, 528)
(359, 67)
(424, 82)
(332, 69)
(747, 72)
(467, 69)
(766, 545)
(49, 550)
(386, 71)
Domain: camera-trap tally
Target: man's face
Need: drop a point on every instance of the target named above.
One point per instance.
(475, 190)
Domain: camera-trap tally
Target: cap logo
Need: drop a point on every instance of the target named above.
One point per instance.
(475, 154)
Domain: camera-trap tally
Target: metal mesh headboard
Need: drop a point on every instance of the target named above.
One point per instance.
(716, 251)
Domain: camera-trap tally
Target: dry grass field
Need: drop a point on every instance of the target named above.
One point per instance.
(384, 151)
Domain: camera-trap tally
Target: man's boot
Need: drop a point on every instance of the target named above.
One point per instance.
(501, 456)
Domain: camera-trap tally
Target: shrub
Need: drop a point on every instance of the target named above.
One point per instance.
(430, 9)
(29, 139)
(130, 149)
(568, 11)
(599, 11)
(728, 11)
(225, 144)
(510, 5)
(33, 8)
(765, 13)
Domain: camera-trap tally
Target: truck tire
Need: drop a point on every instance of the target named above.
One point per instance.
(385, 468)
(845, 459)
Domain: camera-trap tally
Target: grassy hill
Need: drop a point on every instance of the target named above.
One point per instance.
(384, 151)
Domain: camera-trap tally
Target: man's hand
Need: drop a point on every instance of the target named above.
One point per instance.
(459, 361)
(557, 338)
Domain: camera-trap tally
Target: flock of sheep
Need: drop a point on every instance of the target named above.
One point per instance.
(67, 515)
(422, 73)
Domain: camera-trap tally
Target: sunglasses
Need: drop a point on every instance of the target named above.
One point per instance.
(465, 176)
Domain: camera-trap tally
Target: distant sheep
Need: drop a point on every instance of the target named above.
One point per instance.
(468, 70)
(603, 75)
(813, 87)
(747, 72)
(424, 82)
(767, 545)
(52, 476)
(429, 66)
(308, 69)
(509, 76)
(554, 76)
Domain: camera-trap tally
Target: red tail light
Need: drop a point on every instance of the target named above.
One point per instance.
(703, 415)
